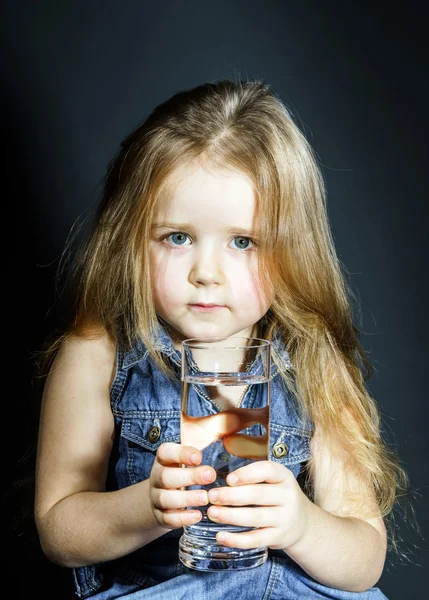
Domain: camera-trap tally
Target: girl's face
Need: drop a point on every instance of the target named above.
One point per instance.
(203, 255)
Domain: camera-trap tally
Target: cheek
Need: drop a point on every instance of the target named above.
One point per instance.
(248, 291)
(167, 283)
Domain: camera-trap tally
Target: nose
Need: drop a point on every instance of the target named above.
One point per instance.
(206, 268)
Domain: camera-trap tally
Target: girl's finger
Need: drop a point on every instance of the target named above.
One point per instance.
(257, 538)
(262, 471)
(169, 454)
(247, 446)
(270, 495)
(172, 499)
(245, 517)
(174, 519)
(179, 477)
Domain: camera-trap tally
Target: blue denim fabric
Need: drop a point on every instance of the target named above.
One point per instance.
(142, 397)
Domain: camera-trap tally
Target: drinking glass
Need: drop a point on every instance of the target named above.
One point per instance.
(225, 415)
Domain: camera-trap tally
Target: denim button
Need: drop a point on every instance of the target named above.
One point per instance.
(280, 450)
(154, 433)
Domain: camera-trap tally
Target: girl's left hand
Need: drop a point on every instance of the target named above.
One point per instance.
(265, 495)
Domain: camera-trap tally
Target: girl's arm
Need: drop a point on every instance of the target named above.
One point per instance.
(339, 539)
(77, 521)
(338, 549)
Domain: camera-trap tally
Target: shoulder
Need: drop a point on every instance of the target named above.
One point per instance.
(339, 487)
(95, 355)
(333, 472)
(98, 346)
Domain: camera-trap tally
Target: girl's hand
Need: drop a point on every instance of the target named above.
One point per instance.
(200, 432)
(278, 507)
(167, 477)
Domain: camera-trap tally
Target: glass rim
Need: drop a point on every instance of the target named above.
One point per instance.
(205, 343)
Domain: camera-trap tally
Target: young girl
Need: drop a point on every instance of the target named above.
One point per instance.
(213, 222)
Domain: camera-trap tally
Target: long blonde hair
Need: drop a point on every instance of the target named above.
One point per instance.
(247, 127)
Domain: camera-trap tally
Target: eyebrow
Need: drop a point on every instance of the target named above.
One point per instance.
(188, 226)
(178, 226)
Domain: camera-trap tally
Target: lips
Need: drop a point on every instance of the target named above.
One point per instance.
(207, 307)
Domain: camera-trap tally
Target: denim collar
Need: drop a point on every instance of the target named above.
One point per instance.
(164, 344)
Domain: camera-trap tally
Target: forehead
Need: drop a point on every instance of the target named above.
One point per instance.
(201, 190)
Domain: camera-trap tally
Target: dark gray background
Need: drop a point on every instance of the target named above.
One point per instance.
(78, 76)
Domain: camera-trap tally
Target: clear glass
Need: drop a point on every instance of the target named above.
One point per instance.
(217, 375)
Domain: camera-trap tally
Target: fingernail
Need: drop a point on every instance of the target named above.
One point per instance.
(214, 512)
(213, 495)
(193, 458)
(194, 515)
(207, 475)
(202, 497)
(232, 479)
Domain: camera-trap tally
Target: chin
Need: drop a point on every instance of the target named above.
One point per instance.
(204, 332)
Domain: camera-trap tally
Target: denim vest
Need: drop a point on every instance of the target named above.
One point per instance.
(146, 406)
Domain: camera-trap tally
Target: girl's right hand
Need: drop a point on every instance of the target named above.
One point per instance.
(167, 477)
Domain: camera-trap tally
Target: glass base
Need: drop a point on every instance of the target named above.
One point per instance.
(199, 550)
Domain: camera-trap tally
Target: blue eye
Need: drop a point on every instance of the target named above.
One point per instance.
(178, 239)
(242, 243)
